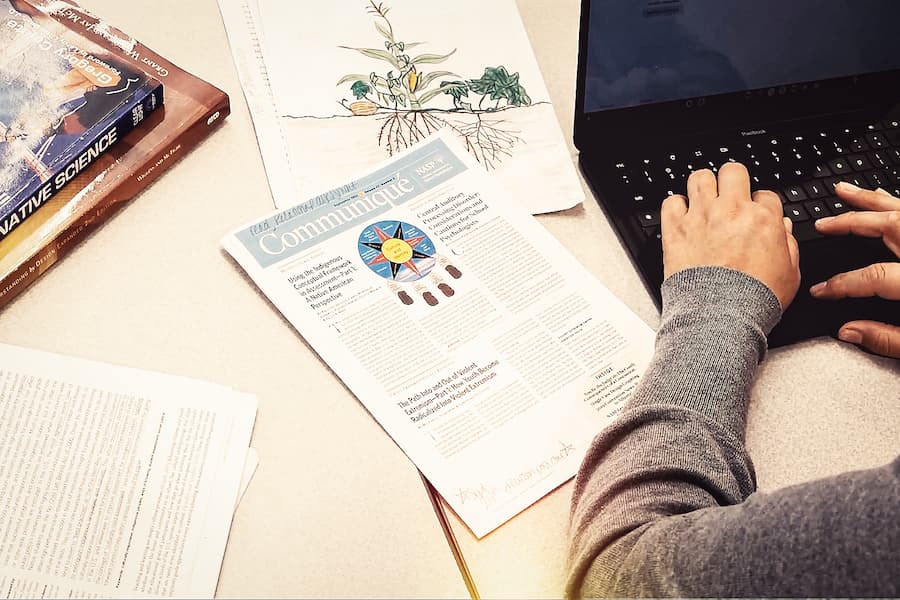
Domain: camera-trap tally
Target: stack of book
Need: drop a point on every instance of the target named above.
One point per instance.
(89, 116)
(116, 482)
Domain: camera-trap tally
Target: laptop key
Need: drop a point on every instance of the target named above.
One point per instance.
(879, 159)
(876, 140)
(859, 162)
(756, 183)
(796, 213)
(815, 189)
(836, 205)
(794, 193)
(816, 209)
(649, 218)
(821, 171)
(858, 144)
(839, 166)
(877, 179)
(858, 180)
(893, 173)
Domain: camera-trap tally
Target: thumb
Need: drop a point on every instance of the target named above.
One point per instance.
(878, 337)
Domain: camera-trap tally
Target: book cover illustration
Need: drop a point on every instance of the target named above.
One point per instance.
(193, 110)
(60, 108)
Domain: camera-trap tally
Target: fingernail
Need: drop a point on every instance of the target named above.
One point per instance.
(824, 221)
(847, 187)
(818, 288)
(850, 336)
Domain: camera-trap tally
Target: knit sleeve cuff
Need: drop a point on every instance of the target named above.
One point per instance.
(723, 292)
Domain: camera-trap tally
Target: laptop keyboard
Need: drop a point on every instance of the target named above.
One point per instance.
(802, 168)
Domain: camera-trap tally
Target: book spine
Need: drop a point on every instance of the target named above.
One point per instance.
(64, 240)
(135, 112)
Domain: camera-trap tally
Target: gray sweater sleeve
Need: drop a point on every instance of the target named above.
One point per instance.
(664, 503)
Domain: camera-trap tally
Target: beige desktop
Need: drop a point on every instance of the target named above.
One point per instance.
(335, 509)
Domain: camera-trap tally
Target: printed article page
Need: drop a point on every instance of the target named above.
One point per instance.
(488, 353)
(116, 482)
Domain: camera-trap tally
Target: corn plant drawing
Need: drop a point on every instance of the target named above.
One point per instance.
(411, 101)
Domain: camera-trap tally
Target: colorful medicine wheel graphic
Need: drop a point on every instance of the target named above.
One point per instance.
(397, 251)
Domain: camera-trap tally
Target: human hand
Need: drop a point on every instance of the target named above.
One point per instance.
(726, 226)
(880, 217)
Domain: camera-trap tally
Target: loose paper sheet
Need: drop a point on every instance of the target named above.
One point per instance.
(488, 353)
(250, 465)
(338, 88)
(117, 482)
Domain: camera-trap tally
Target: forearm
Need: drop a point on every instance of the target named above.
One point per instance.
(678, 445)
(661, 503)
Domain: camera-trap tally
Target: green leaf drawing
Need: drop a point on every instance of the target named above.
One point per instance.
(457, 89)
(500, 85)
(426, 79)
(375, 53)
(432, 58)
(518, 97)
(360, 89)
(384, 32)
(351, 77)
(424, 98)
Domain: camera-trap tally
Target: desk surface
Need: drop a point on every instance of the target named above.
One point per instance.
(335, 508)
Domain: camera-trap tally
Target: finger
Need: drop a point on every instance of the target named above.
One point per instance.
(866, 199)
(878, 337)
(868, 224)
(793, 247)
(880, 279)
(702, 189)
(673, 207)
(770, 200)
(734, 182)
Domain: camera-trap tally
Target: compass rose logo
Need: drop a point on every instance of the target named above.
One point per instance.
(397, 251)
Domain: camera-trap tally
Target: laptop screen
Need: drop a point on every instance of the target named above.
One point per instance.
(650, 51)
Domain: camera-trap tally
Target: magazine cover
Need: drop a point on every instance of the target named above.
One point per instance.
(193, 110)
(61, 107)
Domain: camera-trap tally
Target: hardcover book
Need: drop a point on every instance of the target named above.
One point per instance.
(193, 109)
(61, 107)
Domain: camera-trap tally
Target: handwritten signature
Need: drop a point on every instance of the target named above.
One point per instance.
(487, 493)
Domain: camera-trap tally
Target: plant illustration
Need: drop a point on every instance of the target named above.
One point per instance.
(413, 101)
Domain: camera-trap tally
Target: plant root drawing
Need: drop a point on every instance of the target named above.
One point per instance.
(489, 140)
(400, 101)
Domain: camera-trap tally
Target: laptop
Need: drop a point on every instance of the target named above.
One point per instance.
(803, 92)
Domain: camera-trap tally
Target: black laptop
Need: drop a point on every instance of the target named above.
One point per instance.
(803, 92)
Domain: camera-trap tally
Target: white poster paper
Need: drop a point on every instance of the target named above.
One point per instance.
(339, 87)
